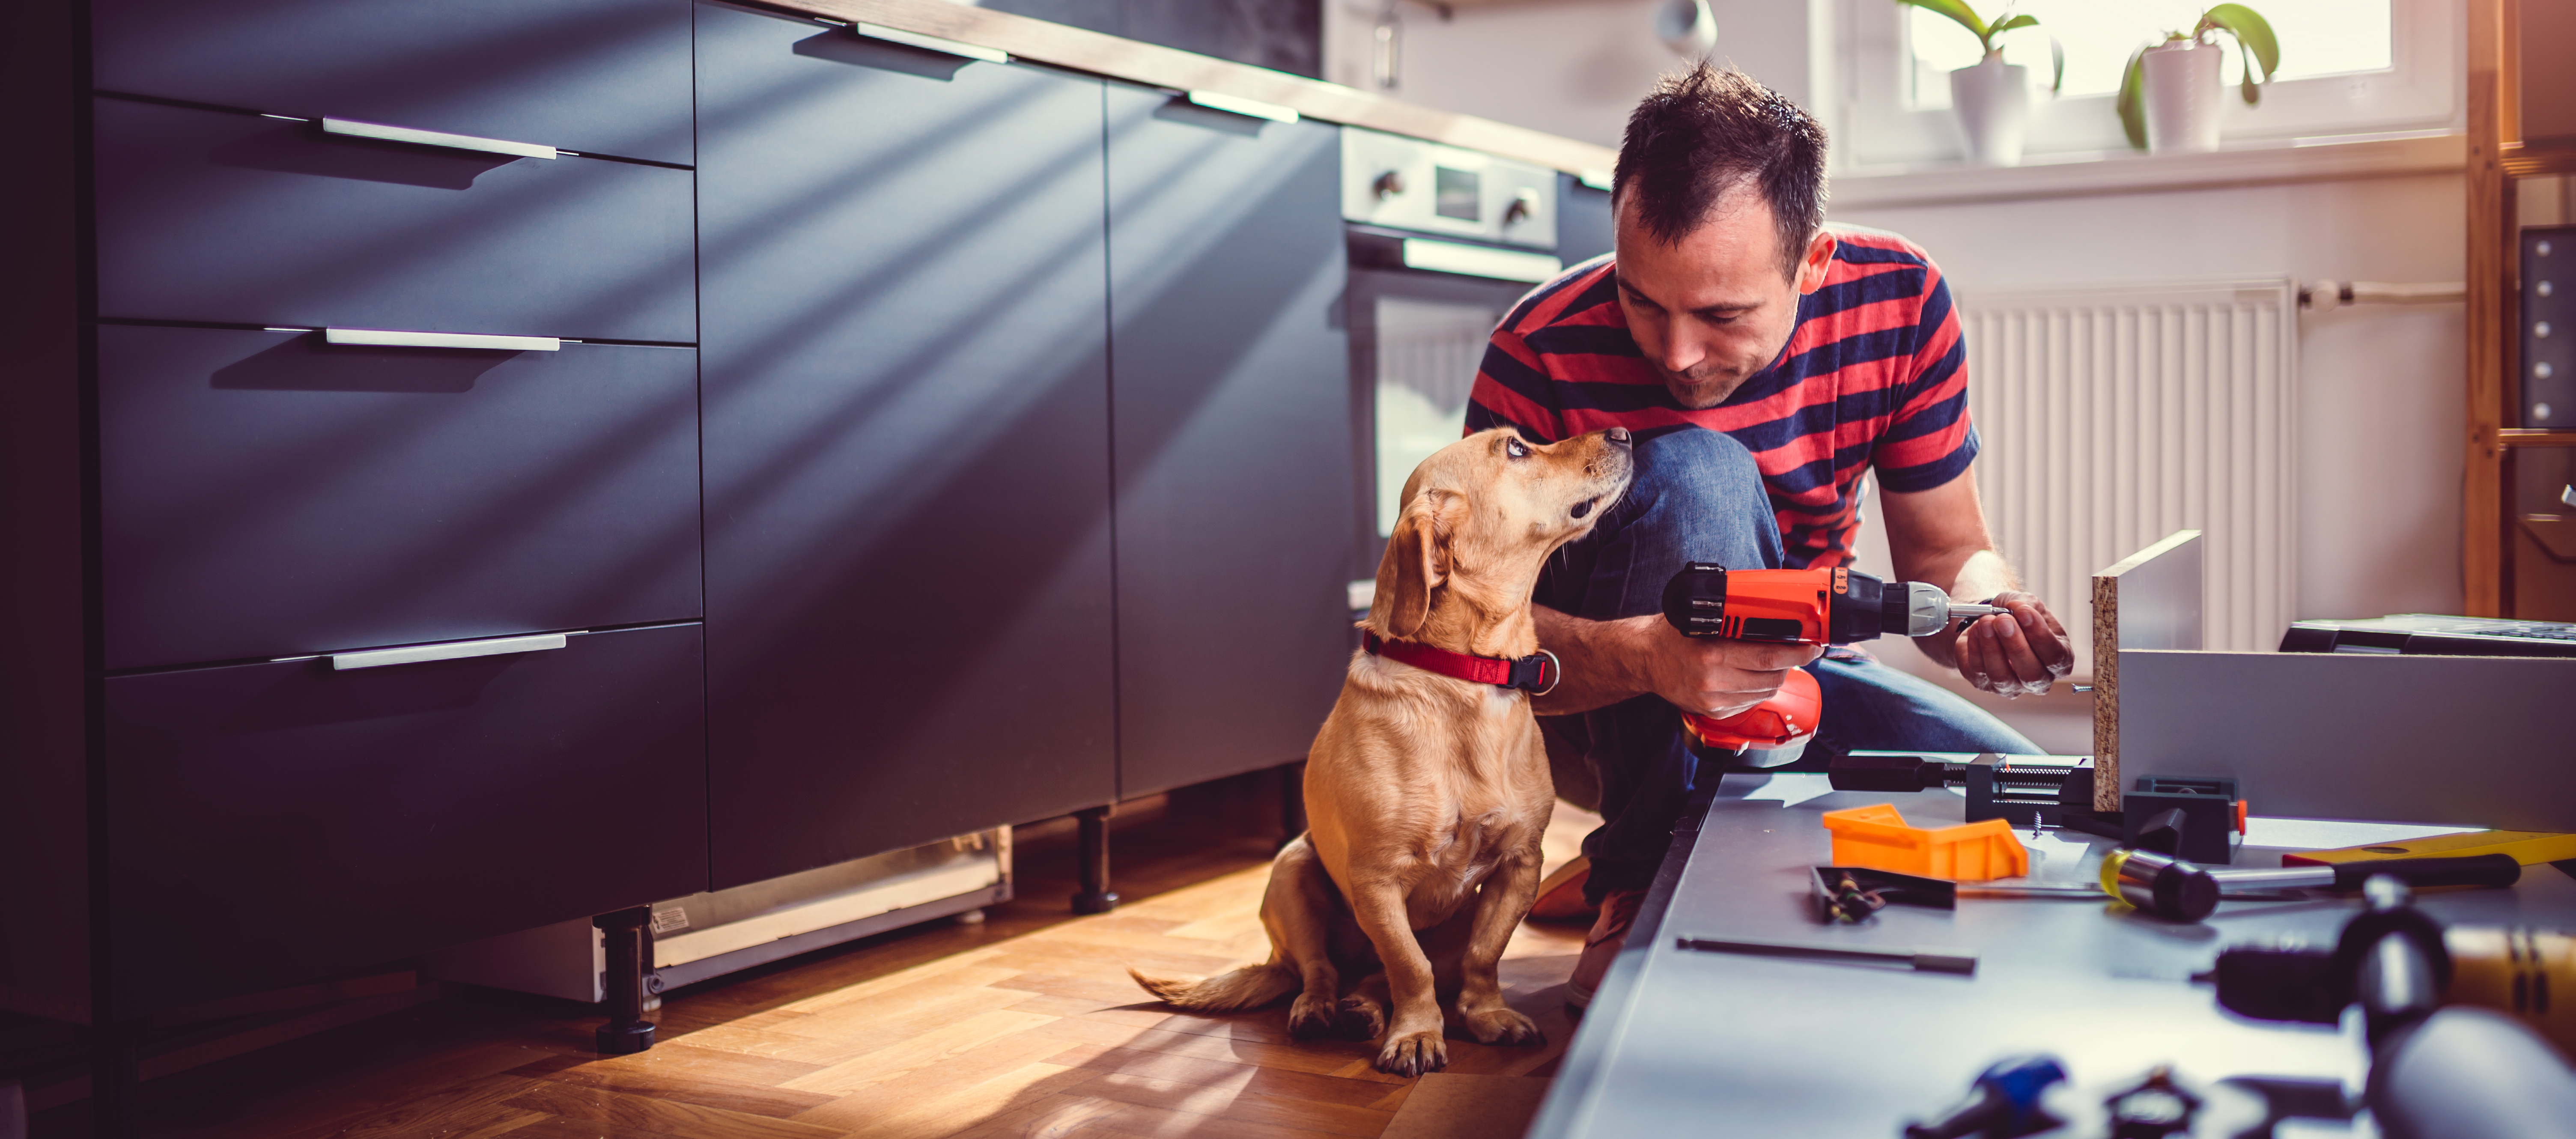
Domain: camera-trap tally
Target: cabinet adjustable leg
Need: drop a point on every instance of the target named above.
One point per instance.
(626, 1031)
(1292, 801)
(1096, 896)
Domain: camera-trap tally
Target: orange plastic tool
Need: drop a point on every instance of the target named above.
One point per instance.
(1877, 837)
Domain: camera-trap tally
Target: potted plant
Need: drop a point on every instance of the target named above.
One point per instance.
(2169, 94)
(1991, 98)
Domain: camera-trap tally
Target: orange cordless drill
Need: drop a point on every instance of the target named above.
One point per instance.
(1795, 607)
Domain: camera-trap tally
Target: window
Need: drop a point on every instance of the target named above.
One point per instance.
(2347, 67)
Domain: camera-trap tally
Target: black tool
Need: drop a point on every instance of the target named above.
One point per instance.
(2198, 819)
(1851, 894)
(2055, 791)
(2003, 1103)
(2176, 890)
(1918, 960)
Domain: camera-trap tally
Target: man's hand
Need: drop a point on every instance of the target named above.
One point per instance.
(1610, 661)
(1713, 676)
(2015, 654)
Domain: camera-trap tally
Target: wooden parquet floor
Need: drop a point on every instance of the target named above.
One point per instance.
(1024, 1025)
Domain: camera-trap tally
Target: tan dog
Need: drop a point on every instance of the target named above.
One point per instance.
(1426, 795)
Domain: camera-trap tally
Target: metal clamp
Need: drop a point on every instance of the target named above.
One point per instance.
(417, 137)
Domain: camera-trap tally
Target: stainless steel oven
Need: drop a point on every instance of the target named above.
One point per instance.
(1443, 241)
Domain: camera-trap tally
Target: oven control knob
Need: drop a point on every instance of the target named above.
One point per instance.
(1388, 184)
(1524, 207)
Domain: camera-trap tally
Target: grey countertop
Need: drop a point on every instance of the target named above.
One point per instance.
(1704, 1044)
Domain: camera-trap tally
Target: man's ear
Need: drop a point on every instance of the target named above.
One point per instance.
(1818, 261)
(1416, 562)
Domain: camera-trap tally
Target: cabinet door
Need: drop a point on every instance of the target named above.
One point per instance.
(232, 218)
(267, 495)
(597, 76)
(907, 467)
(277, 822)
(1233, 437)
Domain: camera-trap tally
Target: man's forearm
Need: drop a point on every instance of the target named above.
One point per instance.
(1595, 655)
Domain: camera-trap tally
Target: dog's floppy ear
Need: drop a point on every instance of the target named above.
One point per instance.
(1416, 562)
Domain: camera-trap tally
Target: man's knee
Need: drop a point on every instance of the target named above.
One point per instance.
(1697, 464)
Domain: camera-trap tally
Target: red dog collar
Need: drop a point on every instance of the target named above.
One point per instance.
(1536, 674)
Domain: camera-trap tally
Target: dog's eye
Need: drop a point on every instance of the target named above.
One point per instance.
(1515, 448)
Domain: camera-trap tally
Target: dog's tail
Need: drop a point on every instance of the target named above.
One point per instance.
(1251, 986)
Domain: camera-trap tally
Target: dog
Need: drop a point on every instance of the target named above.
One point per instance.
(1426, 795)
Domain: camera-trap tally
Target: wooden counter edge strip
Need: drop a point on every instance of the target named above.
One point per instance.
(1102, 54)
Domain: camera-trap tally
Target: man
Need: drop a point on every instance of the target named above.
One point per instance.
(1765, 364)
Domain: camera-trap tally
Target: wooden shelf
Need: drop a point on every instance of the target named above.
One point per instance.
(2538, 158)
(2516, 437)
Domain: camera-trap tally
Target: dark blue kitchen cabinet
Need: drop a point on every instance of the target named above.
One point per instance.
(264, 494)
(596, 76)
(905, 372)
(277, 822)
(1233, 435)
(236, 218)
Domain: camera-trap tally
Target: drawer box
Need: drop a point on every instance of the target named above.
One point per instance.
(598, 76)
(278, 822)
(229, 218)
(266, 494)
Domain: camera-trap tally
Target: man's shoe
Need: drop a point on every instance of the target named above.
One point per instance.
(1601, 947)
(1560, 895)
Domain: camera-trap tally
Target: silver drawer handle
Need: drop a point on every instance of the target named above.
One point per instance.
(931, 43)
(396, 338)
(1237, 104)
(452, 650)
(436, 138)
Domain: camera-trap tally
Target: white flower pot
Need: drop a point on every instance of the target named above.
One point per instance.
(1992, 101)
(2181, 95)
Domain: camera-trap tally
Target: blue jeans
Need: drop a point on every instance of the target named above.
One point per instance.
(1699, 497)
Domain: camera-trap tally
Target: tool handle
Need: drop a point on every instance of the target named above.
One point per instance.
(2472, 870)
(1958, 963)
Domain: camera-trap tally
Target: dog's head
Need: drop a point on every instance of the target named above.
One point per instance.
(1481, 515)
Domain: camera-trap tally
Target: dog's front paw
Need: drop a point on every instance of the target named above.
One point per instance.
(1501, 1026)
(1414, 1053)
(1311, 1018)
(1359, 1018)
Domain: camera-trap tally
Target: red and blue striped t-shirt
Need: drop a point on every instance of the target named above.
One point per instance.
(1874, 375)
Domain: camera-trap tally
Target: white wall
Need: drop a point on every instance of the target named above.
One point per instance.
(2379, 525)
(2380, 387)
(1568, 67)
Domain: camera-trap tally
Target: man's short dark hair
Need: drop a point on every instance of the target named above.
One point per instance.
(1702, 134)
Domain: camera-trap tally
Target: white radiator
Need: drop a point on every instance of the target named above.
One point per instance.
(2115, 415)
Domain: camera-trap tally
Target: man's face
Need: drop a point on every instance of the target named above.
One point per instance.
(1714, 308)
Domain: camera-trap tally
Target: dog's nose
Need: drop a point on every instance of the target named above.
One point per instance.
(1618, 435)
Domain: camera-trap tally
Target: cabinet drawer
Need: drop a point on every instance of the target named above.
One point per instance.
(274, 822)
(598, 76)
(204, 215)
(265, 494)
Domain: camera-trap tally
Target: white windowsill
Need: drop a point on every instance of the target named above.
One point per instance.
(2066, 175)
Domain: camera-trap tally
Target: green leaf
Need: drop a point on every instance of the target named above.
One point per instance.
(2057, 62)
(2025, 20)
(2133, 111)
(2252, 33)
(2253, 94)
(1960, 11)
